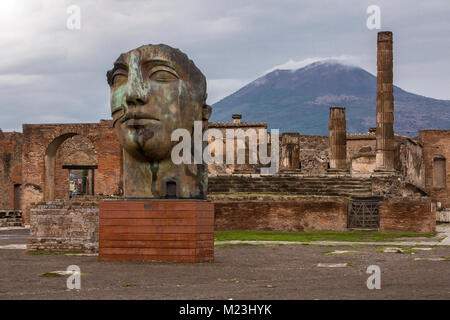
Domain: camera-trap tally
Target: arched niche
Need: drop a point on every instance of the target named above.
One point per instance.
(439, 172)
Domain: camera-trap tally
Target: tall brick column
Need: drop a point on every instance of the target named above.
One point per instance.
(385, 104)
(338, 139)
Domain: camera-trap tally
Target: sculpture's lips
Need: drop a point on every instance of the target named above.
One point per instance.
(138, 119)
(139, 122)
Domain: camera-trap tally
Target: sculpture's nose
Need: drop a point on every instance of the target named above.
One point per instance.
(134, 99)
(136, 95)
(136, 89)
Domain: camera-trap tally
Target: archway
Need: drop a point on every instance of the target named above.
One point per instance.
(69, 157)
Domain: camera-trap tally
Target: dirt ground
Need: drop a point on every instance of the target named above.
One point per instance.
(238, 272)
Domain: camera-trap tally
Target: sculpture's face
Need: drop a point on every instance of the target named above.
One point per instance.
(155, 89)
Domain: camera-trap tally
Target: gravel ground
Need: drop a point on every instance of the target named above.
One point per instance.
(238, 272)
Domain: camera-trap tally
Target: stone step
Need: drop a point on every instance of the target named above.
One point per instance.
(290, 185)
(14, 224)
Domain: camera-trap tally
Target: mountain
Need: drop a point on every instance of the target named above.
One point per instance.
(299, 101)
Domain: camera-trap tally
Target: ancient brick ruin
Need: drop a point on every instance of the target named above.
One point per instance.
(403, 182)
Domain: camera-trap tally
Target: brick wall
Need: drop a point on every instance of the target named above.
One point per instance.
(407, 214)
(10, 168)
(436, 143)
(75, 151)
(36, 141)
(276, 213)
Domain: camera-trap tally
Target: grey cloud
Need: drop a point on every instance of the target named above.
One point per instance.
(49, 73)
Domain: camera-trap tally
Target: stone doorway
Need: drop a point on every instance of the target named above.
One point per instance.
(81, 180)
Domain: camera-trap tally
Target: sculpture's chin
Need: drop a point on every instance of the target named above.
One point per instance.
(150, 150)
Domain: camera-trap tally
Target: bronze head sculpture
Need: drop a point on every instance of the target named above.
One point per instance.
(156, 89)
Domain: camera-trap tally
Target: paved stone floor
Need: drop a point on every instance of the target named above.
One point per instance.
(239, 272)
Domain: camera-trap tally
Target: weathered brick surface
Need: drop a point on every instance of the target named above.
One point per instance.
(10, 167)
(76, 150)
(64, 226)
(281, 214)
(407, 214)
(436, 143)
(101, 137)
(181, 231)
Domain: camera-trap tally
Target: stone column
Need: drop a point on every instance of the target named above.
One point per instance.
(338, 139)
(385, 104)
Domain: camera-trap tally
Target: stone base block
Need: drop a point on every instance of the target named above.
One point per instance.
(158, 230)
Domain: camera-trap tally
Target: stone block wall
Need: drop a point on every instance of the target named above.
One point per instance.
(64, 226)
(407, 214)
(10, 218)
(314, 154)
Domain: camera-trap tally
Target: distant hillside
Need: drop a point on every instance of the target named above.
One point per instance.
(299, 101)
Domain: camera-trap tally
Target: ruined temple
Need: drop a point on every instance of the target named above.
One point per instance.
(373, 180)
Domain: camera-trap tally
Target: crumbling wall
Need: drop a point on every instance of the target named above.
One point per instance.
(5, 181)
(31, 194)
(218, 148)
(290, 152)
(75, 151)
(361, 153)
(436, 145)
(409, 160)
(38, 137)
(64, 226)
(314, 154)
(10, 169)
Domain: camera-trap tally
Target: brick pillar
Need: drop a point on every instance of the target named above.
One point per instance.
(338, 139)
(385, 104)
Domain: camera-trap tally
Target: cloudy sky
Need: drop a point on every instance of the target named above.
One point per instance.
(52, 74)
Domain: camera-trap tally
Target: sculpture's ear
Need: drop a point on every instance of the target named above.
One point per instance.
(206, 112)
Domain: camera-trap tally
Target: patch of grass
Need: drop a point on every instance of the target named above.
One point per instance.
(350, 236)
(226, 245)
(127, 285)
(446, 258)
(59, 253)
(50, 275)
(349, 264)
(233, 280)
(440, 240)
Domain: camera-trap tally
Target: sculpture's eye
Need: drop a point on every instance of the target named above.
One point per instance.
(163, 74)
(119, 79)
